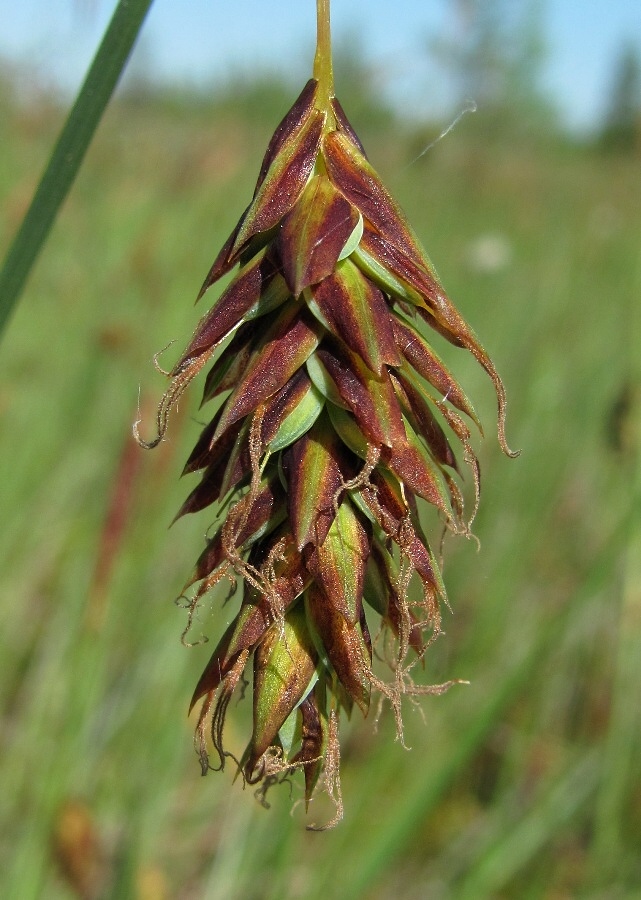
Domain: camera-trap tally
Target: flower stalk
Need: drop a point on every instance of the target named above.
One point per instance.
(323, 65)
(334, 422)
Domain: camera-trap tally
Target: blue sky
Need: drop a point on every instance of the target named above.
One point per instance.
(208, 40)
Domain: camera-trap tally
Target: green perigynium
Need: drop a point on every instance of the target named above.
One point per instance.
(337, 416)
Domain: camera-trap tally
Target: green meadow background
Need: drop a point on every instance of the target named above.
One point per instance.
(524, 784)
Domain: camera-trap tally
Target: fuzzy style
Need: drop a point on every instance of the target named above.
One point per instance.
(335, 417)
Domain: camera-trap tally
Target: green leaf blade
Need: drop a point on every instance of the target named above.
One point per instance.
(70, 149)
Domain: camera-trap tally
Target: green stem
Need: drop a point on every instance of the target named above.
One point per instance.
(69, 151)
(323, 72)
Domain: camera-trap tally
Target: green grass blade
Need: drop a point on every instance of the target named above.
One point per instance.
(622, 757)
(520, 842)
(69, 151)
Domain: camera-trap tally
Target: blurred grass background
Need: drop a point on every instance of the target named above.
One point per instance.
(526, 783)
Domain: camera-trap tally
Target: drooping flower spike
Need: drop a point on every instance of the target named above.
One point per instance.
(337, 417)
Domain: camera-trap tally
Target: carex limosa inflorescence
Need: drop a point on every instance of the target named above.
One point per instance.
(335, 418)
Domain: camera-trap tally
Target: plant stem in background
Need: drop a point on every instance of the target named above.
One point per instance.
(70, 150)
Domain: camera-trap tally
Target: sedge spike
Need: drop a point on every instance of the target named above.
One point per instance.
(335, 421)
